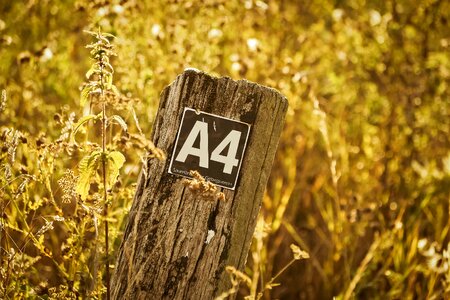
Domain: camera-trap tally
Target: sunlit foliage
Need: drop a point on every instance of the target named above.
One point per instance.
(361, 181)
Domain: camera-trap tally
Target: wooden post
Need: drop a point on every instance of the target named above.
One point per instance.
(178, 243)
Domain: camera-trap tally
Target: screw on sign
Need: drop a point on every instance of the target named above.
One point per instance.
(210, 144)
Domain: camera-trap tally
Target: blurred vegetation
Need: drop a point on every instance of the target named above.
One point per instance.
(361, 180)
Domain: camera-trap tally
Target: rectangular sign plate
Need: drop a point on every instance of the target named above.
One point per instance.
(210, 144)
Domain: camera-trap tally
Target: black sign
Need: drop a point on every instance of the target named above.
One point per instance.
(210, 144)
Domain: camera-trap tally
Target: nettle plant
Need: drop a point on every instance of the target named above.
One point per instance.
(100, 160)
(100, 166)
(51, 213)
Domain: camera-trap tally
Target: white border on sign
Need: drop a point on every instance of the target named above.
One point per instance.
(178, 135)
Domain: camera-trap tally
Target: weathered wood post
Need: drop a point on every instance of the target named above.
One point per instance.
(177, 243)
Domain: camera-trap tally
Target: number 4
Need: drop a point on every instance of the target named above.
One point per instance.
(230, 159)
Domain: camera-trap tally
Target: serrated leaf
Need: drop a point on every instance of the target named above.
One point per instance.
(109, 66)
(87, 168)
(91, 32)
(109, 80)
(91, 71)
(85, 94)
(108, 35)
(120, 121)
(115, 162)
(82, 121)
(103, 38)
(105, 60)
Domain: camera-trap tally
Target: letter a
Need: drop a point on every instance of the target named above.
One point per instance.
(188, 146)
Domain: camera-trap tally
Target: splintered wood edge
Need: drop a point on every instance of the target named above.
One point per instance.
(212, 77)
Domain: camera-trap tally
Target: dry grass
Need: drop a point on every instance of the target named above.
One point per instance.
(361, 181)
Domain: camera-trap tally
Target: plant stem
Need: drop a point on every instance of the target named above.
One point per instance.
(362, 267)
(105, 207)
(7, 277)
(282, 270)
(265, 287)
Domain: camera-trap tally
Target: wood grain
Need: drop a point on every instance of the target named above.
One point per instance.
(163, 253)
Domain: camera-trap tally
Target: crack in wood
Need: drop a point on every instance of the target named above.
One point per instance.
(163, 253)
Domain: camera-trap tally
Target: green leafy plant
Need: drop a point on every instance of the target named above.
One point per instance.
(34, 206)
(98, 92)
(102, 160)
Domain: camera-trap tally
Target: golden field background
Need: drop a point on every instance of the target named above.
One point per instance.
(361, 180)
